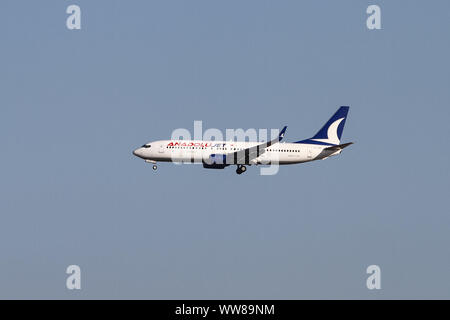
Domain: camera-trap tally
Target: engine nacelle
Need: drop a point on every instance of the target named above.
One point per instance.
(214, 166)
(215, 161)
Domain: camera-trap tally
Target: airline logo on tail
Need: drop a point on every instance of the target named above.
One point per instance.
(332, 133)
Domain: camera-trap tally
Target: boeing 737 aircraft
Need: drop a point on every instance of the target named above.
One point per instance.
(220, 154)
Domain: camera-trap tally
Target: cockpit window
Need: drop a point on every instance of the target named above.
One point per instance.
(146, 146)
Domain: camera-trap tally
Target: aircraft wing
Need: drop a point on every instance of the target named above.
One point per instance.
(246, 155)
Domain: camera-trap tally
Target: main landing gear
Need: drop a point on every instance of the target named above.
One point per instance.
(241, 169)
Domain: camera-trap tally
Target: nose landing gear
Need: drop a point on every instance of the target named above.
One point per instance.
(241, 169)
(154, 167)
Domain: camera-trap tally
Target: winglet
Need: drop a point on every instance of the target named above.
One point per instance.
(282, 132)
(276, 140)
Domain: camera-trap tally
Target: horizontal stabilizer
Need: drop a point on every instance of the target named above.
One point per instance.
(338, 147)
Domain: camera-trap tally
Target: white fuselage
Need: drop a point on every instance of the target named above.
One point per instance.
(196, 151)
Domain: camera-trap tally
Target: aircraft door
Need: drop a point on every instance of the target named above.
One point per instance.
(161, 148)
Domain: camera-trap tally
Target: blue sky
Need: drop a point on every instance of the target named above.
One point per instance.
(75, 104)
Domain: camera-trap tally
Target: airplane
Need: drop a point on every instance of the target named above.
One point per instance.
(221, 154)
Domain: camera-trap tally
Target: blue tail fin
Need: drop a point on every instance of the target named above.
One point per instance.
(331, 132)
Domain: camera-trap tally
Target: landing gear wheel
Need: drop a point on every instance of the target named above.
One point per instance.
(155, 167)
(241, 169)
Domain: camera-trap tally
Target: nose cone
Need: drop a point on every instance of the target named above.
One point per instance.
(138, 152)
